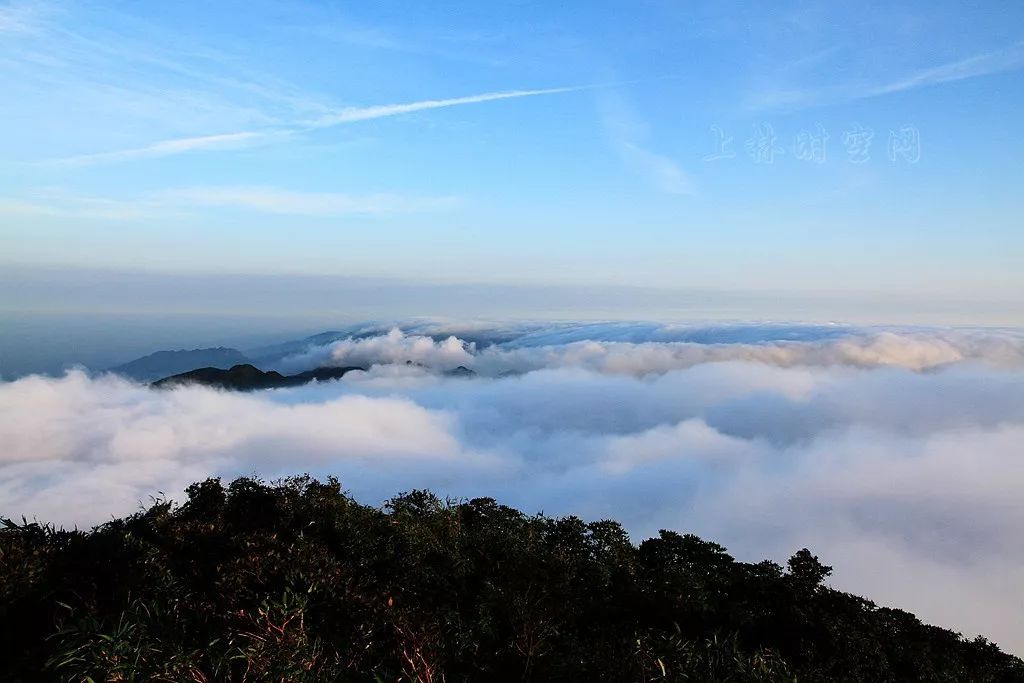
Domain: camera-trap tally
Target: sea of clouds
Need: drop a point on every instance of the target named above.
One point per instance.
(896, 455)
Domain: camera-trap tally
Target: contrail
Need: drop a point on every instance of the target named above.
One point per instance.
(339, 117)
(353, 114)
(169, 147)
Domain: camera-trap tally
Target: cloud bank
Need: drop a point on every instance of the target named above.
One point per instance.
(645, 349)
(896, 455)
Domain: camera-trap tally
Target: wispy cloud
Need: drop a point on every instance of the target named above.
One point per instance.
(99, 210)
(353, 114)
(122, 73)
(171, 147)
(19, 17)
(57, 203)
(665, 173)
(482, 46)
(257, 199)
(629, 137)
(338, 117)
(89, 208)
(1010, 58)
(279, 201)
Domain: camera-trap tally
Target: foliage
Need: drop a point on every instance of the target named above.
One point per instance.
(295, 581)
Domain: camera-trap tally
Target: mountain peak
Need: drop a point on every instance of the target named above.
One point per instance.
(247, 377)
(166, 363)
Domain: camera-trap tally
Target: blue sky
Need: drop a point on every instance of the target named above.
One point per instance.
(522, 143)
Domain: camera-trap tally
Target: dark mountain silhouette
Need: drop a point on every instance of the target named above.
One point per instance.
(165, 363)
(247, 377)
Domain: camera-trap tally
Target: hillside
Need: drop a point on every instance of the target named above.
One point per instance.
(298, 582)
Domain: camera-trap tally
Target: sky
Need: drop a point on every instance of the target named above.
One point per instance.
(846, 150)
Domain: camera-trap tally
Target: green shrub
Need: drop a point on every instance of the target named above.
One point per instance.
(295, 581)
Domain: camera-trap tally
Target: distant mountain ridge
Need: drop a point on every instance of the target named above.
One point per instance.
(246, 377)
(166, 363)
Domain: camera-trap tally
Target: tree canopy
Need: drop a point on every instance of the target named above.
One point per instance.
(296, 581)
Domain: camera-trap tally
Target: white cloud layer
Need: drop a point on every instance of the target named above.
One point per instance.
(896, 456)
(632, 350)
